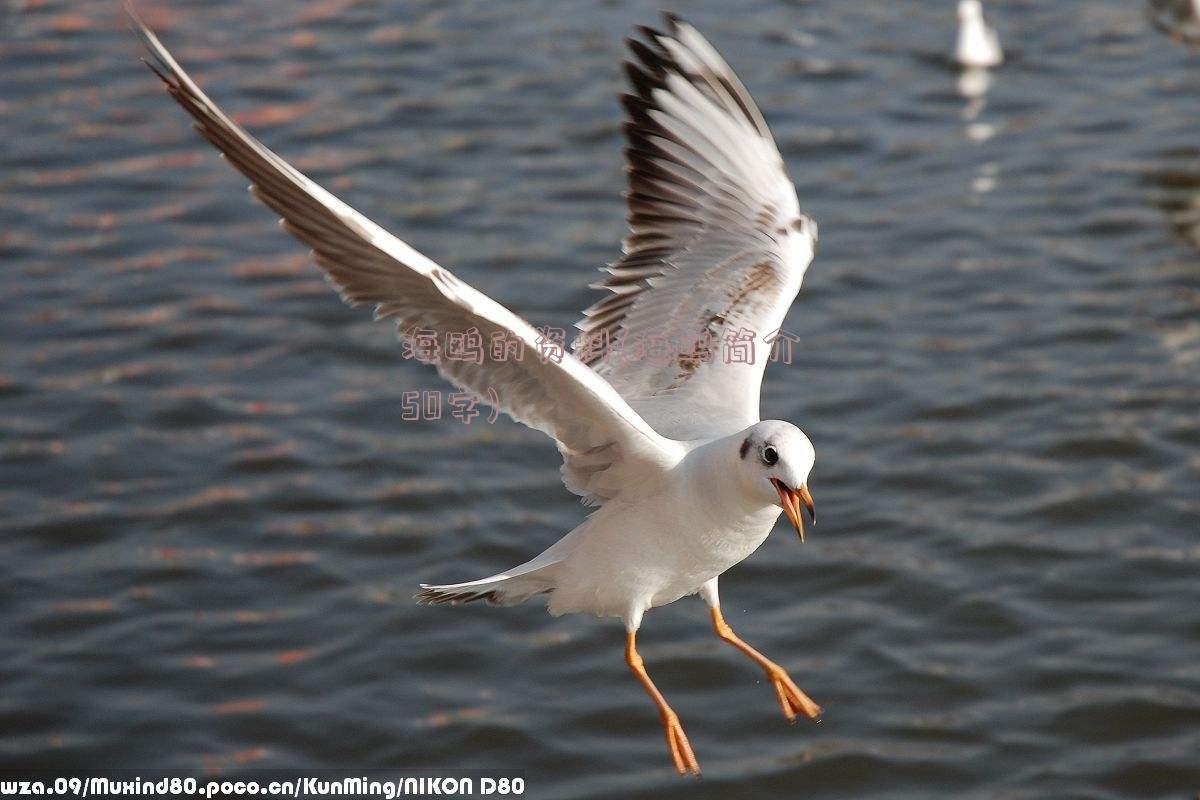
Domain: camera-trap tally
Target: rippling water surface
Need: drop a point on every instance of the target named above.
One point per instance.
(213, 517)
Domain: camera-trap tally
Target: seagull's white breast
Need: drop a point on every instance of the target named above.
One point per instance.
(665, 545)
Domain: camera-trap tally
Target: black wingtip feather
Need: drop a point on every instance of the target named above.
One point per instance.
(649, 33)
(649, 60)
(155, 68)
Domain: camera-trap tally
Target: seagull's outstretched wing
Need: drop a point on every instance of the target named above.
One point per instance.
(717, 245)
(605, 444)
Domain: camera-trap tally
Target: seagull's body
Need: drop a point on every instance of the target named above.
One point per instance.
(686, 523)
(978, 45)
(688, 479)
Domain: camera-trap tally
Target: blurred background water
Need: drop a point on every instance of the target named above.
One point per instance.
(212, 517)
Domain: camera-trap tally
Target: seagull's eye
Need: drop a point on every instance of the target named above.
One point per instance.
(770, 456)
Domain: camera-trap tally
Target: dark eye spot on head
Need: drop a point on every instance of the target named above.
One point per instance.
(745, 448)
(770, 455)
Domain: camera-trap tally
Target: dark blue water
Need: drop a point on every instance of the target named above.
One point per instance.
(212, 517)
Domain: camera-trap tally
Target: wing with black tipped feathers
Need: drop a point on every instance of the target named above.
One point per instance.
(717, 247)
(607, 447)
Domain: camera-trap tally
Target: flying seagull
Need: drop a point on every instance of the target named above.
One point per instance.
(688, 480)
(978, 44)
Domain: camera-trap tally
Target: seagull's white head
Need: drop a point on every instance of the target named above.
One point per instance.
(775, 459)
(969, 10)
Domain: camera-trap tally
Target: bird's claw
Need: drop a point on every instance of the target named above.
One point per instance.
(681, 751)
(792, 699)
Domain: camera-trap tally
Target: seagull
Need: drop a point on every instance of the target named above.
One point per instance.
(1179, 19)
(685, 478)
(978, 45)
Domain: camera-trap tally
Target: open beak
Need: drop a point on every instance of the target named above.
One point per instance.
(791, 499)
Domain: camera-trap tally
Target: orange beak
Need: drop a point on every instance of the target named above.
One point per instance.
(791, 499)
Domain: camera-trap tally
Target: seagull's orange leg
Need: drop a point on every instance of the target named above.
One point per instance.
(791, 698)
(681, 751)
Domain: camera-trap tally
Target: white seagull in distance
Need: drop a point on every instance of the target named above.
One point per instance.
(978, 45)
(688, 481)
(1179, 19)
